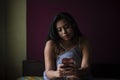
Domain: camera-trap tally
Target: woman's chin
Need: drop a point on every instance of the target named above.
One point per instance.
(66, 39)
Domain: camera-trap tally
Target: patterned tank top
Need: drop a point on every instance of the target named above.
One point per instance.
(74, 53)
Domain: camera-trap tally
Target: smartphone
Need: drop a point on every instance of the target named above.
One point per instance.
(68, 61)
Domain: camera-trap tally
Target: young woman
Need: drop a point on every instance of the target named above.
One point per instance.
(66, 53)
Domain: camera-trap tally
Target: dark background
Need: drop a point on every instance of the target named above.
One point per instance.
(99, 20)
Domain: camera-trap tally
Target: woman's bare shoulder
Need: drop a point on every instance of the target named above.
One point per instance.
(84, 42)
(50, 44)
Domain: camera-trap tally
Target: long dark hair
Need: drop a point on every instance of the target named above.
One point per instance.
(53, 34)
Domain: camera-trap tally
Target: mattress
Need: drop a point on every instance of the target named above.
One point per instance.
(30, 78)
(40, 78)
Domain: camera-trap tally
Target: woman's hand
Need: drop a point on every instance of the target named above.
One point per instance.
(64, 70)
(71, 69)
(60, 72)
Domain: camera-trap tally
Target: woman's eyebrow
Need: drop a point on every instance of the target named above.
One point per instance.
(62, 25)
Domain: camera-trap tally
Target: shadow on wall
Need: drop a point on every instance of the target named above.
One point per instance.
(97, 19)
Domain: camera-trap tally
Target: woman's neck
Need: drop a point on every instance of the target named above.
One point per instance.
(68, 44)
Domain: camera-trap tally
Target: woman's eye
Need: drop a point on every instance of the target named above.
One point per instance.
(59, 30)
(67, 26)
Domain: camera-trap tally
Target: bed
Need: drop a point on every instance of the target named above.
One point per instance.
(33, 70)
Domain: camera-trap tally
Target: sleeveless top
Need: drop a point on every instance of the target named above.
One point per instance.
(74, 53)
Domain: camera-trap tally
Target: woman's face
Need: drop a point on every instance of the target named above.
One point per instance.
(64, 29)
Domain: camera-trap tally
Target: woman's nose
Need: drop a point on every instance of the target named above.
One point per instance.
(64, 31)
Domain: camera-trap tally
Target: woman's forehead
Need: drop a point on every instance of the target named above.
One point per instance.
(61, 22)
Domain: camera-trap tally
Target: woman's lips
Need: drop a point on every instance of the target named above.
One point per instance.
(66, 35)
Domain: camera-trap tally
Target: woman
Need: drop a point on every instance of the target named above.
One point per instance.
(66, 51)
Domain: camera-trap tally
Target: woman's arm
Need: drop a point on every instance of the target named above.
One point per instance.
(49, 56)
(85, 64)
(49, 59)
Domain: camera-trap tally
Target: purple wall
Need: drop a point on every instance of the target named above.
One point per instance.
(98, 20)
